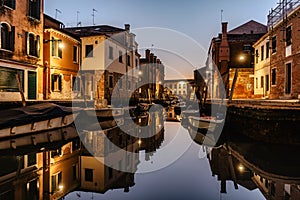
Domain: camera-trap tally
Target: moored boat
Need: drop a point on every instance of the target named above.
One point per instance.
(35, 118)
(207, 123)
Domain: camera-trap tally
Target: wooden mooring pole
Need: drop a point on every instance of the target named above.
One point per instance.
(21, 90)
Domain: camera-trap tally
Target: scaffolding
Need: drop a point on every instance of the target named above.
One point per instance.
(281, 12)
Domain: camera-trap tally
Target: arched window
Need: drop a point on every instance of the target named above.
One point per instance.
(7, 36)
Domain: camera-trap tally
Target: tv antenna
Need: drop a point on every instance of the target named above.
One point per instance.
(78, 22)
(94, 10)
(57, 11)
(222, 15)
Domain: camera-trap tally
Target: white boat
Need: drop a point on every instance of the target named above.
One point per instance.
(208, 123)
(38, 139)
(35, 118)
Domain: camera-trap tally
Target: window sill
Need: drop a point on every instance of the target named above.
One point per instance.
(32, 56)
(8, 8)
(56, 57)
(30, 18)
(6, 50)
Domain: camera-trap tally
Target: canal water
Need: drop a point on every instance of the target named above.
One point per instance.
(149, 159)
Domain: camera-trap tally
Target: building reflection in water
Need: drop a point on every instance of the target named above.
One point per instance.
(273, 169)
(50, 165)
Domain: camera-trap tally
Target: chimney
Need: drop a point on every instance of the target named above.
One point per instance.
(224, 53)
(127, 27)
(147, 55)
(154, 59)
(151, 57)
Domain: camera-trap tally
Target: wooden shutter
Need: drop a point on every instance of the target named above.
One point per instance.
(27, 43)
(38, 46)
(12, 39)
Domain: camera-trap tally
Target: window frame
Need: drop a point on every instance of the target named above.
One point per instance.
(89, 53)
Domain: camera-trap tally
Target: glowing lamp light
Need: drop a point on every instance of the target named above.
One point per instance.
(61, 45)
(61, 187)
(241, 168)
(242, 58)
(139, 141)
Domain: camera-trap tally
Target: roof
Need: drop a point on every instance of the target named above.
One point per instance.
(94, 30)
(251, 27)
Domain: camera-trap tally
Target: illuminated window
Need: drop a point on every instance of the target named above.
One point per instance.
(56, 48)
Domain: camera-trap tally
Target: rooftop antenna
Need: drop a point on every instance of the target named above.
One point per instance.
(78, 22)
(222, 15)
(94, 10)
(57, 11)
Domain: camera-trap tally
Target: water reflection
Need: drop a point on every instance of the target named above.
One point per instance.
(50, 165)
(53, 164)
(271, 168)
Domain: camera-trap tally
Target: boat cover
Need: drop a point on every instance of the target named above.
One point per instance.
(29, 114)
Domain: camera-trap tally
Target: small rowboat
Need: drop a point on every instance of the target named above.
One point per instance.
(207, 123)
(35, 118)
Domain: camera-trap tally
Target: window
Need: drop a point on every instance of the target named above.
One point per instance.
(8, 82)
(34, 9)
(288, 36)
(31, 159)
(89, 51)
(88, 174)
(175, 86)
(262, 50)
(9, 3)
(110, 172)
(56, 47)
(274, 44)
(120, 57)
(274, 76)
(56, 181)
(267, 49)
(262, 82)
(56, 81)
(110, 82)
(7, 36)
(33, 45)
(247, 47)
(128, 60)
(179, 86)
(75, 54)
(75, 83)
(110, 53)
(74, 172)
(32, 191)
(256, 55)
(256, 83)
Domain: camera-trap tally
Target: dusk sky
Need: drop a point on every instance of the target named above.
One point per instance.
(185, 27)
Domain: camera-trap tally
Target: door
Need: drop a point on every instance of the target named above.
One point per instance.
(288, 78)
(32, 85)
